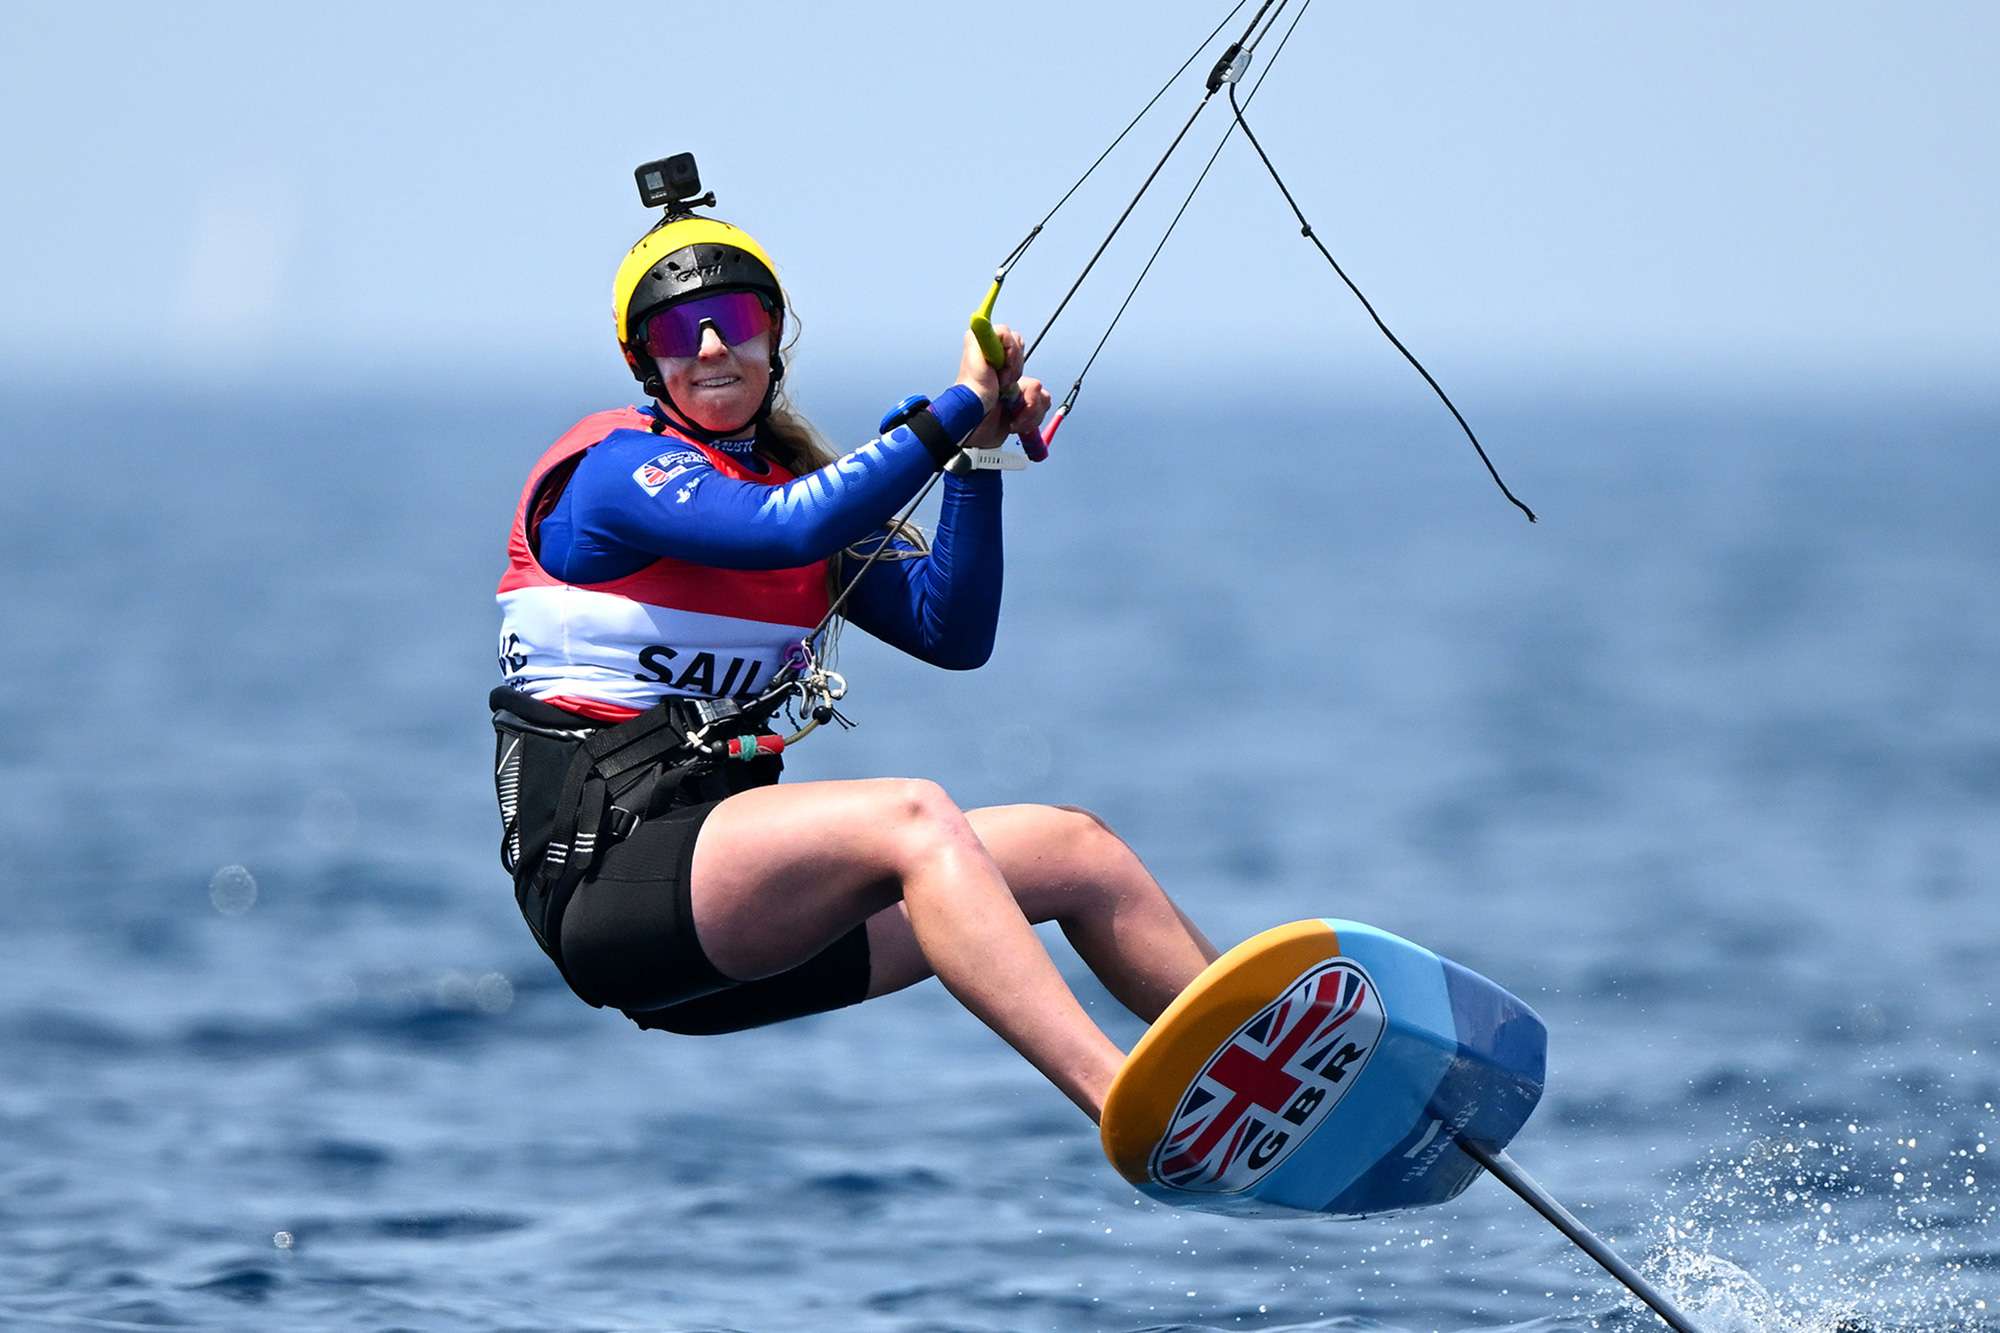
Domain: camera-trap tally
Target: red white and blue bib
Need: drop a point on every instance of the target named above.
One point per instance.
(610, 650)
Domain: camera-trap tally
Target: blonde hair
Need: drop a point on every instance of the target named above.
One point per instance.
(794, 443)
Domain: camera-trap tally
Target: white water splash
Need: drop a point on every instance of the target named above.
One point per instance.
(1837, 1229)
(1726, 1299)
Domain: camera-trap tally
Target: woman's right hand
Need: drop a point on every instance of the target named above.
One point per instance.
(986, 380)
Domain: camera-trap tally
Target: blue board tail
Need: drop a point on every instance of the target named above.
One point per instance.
(1324, 1067)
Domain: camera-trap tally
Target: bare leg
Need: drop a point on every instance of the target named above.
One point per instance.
(780, 872)
(1066, 865)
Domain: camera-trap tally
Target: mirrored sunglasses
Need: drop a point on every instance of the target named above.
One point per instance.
(675, 331)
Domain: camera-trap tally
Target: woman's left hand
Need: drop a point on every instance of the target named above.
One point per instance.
(1025, 420)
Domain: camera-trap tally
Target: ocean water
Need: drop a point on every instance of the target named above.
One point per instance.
(1706, 766)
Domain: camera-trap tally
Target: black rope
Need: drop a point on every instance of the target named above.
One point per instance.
(1241, 44)
(1069, 399)
(1250, 43)
(1150, 102)
(1013, 256)
(782, 684)
(1105, 244)
(902, 519)
(1225, 72)
(1306, 230)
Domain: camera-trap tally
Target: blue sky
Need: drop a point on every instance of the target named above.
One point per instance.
(388, 191)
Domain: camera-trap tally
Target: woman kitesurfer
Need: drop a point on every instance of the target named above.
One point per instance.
(665, 563)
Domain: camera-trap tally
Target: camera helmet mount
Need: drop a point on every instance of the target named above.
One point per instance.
(686, 255)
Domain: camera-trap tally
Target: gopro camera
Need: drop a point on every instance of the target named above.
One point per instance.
(671, 183)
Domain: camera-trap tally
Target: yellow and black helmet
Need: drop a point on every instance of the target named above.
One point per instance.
(683, 257)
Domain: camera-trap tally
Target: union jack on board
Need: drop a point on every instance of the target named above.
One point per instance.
(1271, 1084)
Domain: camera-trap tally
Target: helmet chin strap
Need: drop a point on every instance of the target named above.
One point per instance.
(655, 384)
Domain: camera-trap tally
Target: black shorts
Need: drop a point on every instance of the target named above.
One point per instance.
(627, 938)
(628, 942)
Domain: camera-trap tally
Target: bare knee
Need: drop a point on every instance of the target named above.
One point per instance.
(916, 799)
(1092, 818)
(1082, 834)
(1089, 869)
(922, 820)
(919, 803)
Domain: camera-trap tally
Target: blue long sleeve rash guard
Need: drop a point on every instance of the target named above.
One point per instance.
(942, 606)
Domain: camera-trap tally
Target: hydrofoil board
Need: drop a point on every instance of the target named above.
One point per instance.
(1324, 1067)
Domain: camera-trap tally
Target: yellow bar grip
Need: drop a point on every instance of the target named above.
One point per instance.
(982, 328)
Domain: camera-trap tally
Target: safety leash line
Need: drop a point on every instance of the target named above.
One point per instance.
(833, 608)
(1228, 72)
(1306, 230)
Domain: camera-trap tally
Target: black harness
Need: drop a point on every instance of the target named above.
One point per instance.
(569, 788)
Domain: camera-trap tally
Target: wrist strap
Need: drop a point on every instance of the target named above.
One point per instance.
(927, 428)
